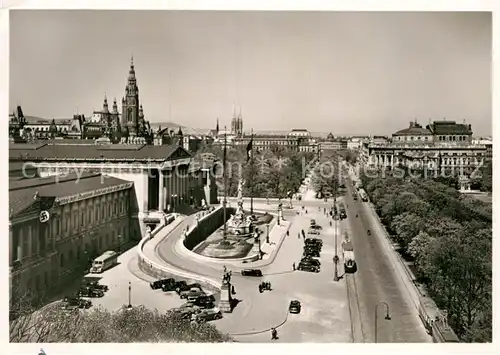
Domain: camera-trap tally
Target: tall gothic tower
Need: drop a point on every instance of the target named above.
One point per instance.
(130, 103)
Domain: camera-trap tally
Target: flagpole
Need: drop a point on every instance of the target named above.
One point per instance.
(224, 203)
(252, 173)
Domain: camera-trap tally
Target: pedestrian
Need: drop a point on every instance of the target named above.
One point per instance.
(225, 269)
(274, 334)
(298, 235)
(293, 266)
(287, 232)
(233, 290)
(306, 211)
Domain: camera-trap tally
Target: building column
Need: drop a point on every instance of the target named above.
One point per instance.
(161, 199)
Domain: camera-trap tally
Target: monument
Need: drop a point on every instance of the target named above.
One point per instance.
(239, 224)
(225, 294)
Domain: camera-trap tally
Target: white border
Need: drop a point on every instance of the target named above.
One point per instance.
(321, 5)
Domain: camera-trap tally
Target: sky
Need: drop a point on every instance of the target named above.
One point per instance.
(339, 72)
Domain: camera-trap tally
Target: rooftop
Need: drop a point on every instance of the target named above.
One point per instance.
(449, 127)
(66, 150)
(23, 193)
(414, 130)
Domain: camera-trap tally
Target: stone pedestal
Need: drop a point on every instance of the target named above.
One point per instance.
(225, 298)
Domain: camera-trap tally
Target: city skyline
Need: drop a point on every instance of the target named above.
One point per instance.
(382, 70)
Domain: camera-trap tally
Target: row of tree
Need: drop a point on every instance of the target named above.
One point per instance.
(449, 238)
(138, 324)
(272, 173)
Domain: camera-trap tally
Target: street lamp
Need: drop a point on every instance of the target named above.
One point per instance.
(387, 316)
(336, 257)
(267, 235)
(257, 239)
(129, 295)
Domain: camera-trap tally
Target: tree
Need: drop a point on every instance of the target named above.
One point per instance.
(407, 225)
(138, 324)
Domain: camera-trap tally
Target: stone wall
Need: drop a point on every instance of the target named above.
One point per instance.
(206, 226)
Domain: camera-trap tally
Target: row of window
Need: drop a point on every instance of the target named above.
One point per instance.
(88, 214)
(453, 138)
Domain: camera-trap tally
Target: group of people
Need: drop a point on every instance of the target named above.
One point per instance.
(264, 286)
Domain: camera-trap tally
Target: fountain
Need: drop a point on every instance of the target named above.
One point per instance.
(239, 224)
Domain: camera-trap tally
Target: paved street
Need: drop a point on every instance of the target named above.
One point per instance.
(376, 281)
(117, 280)
(325, 314)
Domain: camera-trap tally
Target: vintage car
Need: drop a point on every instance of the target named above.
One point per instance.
(251, 272)
(88, 291)
(72, 303)
(294, 307)
(155, 285)
(207, 315)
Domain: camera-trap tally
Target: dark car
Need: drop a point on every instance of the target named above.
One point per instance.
(251, 272)
(314, 254)
(180, 286)
(95, 284)
(313, 241)
(312, 261)
(207, 315)
(72, 303)
(204, 301)
(294, 307)
(159, 284)
(87, 291)
(307, 267)
(316, 226)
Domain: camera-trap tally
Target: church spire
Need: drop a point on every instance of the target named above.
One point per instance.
(105, 104)
(115, 106)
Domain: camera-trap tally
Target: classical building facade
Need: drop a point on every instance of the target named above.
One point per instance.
(58, 224)
(443, 146)
(161, 175)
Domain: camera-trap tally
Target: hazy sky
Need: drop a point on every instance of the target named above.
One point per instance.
(348, 73)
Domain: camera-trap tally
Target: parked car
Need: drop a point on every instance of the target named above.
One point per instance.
(191, 292)
(95, 284)
(167, 287)
(313, 231)
(313, 241)
(207, 315)
(312, 261)
(294, 307)
(187, 311)
(159, 284)
(180, 286)
(316, 226)
(311, 253)
(87, 291)
(307, 267)
(72, 303)
(312, 222)
(251, 272)
(203, 301)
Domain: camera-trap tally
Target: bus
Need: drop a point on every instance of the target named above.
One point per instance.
(104, 262)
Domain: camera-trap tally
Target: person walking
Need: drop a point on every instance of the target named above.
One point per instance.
(293, 266)
(274, 334)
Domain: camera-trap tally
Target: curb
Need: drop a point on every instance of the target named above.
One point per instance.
(263, 330)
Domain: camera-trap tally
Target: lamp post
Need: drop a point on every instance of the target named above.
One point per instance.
(257, 239)
(387, 316)
(129, 295)
(336, 257)
(267, 235)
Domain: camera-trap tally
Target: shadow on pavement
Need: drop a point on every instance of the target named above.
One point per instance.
(234, 302)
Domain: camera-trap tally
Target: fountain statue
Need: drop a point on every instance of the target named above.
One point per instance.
(239, 224)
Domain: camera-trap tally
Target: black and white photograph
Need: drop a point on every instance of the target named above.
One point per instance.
(230, 176)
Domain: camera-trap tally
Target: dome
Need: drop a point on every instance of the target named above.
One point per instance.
(414, 130)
